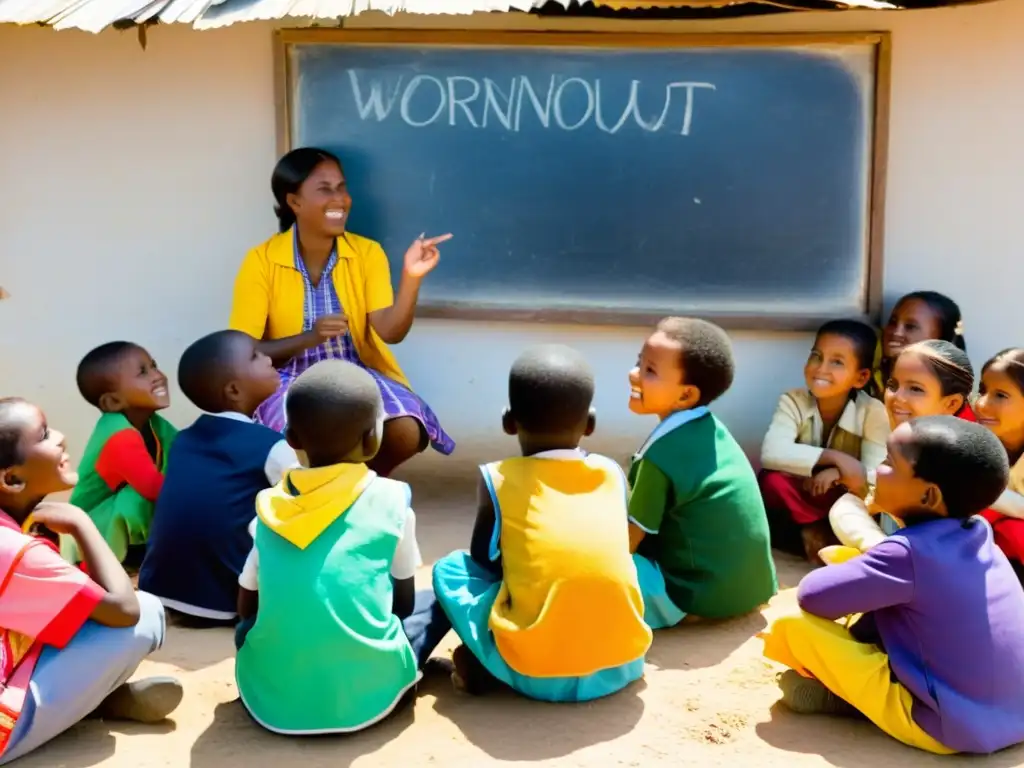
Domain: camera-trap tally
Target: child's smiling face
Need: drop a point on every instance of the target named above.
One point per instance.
(657, 385)
(911, 321)
(138, 384)
(43, 466)
(914, 390)
(1000, 406)
(832, 368)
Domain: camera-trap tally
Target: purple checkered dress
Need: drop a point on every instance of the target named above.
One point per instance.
(399, 400)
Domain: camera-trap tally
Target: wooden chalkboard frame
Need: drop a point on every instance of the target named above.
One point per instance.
(454, 310)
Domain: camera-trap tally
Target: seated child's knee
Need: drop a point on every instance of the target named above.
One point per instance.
(404, 436)
(152, 619)
(786, 624)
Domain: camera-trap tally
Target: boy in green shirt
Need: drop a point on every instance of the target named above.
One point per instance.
(122, 467)
(333, 634)
(697, 521)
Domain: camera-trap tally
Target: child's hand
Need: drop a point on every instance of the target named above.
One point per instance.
(823, 481)
(59, 518)
(423, 255)
(852, 474)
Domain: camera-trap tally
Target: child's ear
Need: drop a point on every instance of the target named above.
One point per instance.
(508, 423)
(10, 482)
(232, 392)
(863, 377)
(932, 499)
(689, 396)
(111, 402)
(953, 403)
(591, 423)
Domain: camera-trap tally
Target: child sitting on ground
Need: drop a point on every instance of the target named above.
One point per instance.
(697, 522)
(829, 420)
(333, 633)
(124, 461)
(68, 641)
(547, 601)
(936, 660)
(1000, 407)
(918, 316)
(200, 534)
(930, 378)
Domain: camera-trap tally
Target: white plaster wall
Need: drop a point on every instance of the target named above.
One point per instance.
(133, 181)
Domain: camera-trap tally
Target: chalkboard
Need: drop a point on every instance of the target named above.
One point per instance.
(608, 178)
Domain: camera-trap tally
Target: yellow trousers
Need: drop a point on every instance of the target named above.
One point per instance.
(838, 553)
(856, 672)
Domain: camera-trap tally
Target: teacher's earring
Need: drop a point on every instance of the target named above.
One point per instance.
(508, 422)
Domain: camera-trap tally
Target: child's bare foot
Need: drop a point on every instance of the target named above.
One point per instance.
(436, 665)
(470, 676)
(143, 701)
(807, 696)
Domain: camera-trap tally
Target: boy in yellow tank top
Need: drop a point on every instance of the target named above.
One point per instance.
(547, 600)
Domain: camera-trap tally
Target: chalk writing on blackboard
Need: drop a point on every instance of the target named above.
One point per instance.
(567, 103)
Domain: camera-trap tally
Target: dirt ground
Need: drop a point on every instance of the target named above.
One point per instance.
(708, 699)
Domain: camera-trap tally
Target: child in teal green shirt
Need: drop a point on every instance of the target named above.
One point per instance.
(697, 521)
(333, 634)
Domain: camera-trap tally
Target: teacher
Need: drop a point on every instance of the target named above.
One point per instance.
(315, 292)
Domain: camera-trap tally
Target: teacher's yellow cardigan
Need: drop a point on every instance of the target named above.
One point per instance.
(269, 295)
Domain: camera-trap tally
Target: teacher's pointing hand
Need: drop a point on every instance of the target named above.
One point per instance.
(423, 255)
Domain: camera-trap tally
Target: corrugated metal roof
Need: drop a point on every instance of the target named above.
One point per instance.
(96, 15)
(227, 12)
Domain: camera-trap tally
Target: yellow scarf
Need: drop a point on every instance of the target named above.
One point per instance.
(307, 501)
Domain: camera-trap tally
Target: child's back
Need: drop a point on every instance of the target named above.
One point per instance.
(570, 603)
(713, 541)
(200, 534)
(548, 600)
(333, 633)
(199, 540)
(325, 596)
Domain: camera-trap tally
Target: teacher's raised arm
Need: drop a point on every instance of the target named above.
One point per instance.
(392, 324)
(315, 291)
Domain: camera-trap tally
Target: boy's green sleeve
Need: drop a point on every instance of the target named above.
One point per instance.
(649, 497)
